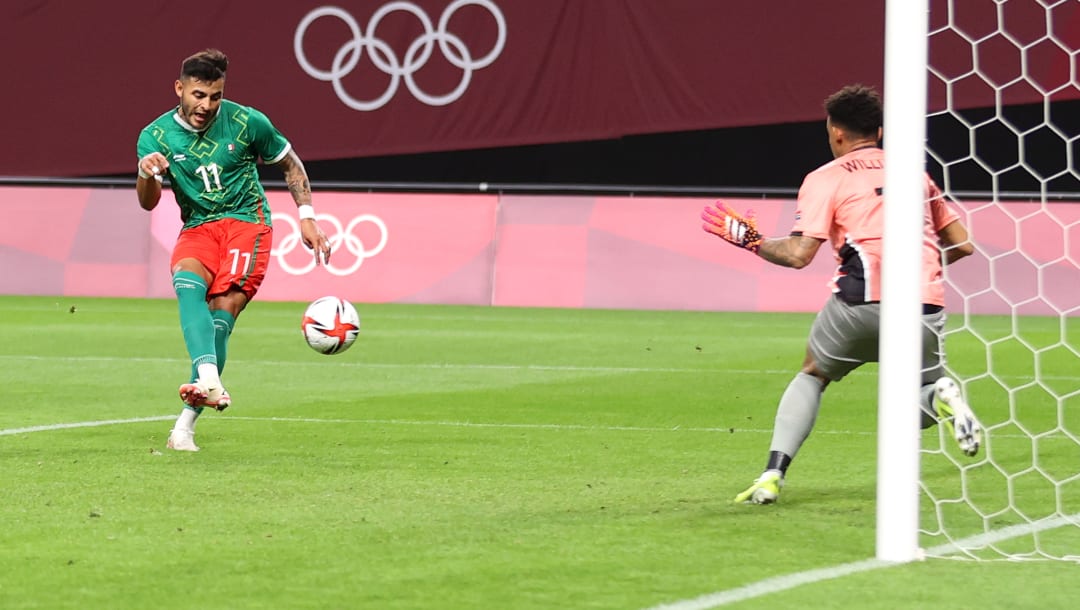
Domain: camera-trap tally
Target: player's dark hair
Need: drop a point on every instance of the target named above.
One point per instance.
(857, 109)
(208, 66)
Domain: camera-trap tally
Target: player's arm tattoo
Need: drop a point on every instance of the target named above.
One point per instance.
(794, 251)
(296, 178)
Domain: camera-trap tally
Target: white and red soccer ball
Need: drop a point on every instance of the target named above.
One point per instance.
(330, 325)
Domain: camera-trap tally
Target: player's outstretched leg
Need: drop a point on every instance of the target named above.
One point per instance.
(765, 490)
(199, 331)
(957, 417)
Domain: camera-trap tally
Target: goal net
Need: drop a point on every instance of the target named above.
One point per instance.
(1003, 140)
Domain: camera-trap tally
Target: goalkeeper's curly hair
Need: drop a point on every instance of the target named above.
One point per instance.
(857, 109)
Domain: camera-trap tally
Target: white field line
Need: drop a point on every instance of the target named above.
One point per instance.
(479, 367)
(1013, 531)
(443, 423)
(790, 581)
(434, 365)
(398, 422)
(83, 424)
(773, 585)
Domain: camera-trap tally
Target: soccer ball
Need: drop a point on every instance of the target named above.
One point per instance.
(330, 325)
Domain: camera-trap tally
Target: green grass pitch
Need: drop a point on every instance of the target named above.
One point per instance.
(464, 458)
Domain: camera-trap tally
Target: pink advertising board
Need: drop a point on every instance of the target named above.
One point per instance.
(515, 250)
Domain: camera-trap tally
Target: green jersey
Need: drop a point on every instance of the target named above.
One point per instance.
(213, 171)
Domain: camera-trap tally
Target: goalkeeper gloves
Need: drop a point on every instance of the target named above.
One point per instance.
(732, 227)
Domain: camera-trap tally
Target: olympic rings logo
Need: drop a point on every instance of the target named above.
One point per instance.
(383, 57)
(342, 235)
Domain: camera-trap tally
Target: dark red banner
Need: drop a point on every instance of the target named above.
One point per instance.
(379, 77)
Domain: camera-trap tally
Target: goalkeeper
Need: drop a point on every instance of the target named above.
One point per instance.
(841, 202)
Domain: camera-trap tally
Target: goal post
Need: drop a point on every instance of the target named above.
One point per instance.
(900, 349)
(986, 95)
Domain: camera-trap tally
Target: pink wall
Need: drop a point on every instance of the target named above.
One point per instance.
(514, 250)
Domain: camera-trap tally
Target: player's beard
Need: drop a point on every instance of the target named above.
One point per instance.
(187, 114)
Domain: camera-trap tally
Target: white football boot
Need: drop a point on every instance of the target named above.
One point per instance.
(182, 440)
(957, 416)
(198, 394)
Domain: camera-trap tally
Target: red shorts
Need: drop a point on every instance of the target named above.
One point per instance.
(236, 253)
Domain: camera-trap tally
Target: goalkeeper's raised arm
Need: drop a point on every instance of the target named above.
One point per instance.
(795, 251)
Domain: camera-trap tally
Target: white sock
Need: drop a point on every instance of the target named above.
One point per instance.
(186, 421)
(208, 375)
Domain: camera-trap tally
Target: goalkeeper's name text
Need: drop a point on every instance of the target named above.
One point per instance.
(855, 165)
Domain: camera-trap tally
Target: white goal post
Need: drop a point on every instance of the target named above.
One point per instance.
(900, 348)
(987, 91)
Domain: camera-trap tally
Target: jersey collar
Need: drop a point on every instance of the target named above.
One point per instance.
(181, 122)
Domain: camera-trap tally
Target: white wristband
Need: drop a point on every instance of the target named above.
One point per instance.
(306, 211)
(146, 176)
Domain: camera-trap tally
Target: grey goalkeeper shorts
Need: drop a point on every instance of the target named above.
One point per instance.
(845, 336)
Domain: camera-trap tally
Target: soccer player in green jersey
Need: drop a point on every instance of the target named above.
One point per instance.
(208, 147)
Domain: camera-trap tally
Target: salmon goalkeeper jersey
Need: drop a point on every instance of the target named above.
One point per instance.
(213, 172)
(842, 202)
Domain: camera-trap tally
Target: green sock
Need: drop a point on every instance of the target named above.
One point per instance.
(195, 320)
(223, 327)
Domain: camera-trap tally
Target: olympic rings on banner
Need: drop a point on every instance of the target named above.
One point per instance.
(341, 235)
(384, 58)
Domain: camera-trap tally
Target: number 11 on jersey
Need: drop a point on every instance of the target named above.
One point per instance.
(205, 172)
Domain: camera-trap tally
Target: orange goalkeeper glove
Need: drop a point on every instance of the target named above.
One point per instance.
(732, 227)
